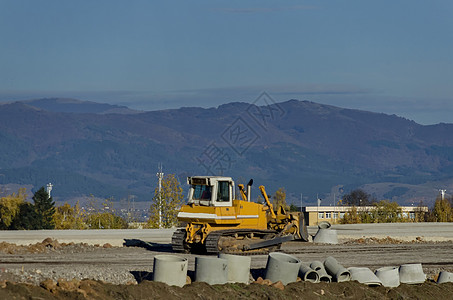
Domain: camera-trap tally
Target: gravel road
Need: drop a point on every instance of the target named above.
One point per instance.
(428, 243)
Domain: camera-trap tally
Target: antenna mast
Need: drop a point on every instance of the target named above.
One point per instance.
(160, 175)
(49, 189)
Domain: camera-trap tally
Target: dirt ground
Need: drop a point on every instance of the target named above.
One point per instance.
(89, 289)
(53, 270)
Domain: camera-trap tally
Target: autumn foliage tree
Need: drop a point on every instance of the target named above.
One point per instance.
(279, 199)
(386, 212)
(442, 211)
(10, 207)
(421, 215)
(351, 217)
(383, 211)
(69, 217)
(165, 205)
(103, 216)
(18, 214)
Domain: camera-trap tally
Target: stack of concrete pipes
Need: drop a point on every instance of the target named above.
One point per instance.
(227, 268)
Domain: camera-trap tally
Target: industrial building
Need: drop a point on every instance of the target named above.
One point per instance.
(315, 214)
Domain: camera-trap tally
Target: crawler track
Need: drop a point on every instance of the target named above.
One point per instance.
(177, 241)
(214, 244)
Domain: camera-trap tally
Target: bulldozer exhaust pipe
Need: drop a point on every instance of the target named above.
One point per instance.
(249, 189)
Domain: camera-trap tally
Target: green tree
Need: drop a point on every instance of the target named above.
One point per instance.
(293, 207)
(167, 202)
(27, 219)
(279, 199)
(45, 209)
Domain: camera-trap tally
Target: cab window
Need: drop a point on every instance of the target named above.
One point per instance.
(223, 191)
(201, 192)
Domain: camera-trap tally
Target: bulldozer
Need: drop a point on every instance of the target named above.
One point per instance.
(218, 223)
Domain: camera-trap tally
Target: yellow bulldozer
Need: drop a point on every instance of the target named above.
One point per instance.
(216, 222)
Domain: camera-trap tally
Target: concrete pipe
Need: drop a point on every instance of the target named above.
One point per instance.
(322, 273)
(324, 225)
(325, 278)
(365, 276)
(170, 269)
(282, 267)
(412, 274)
(212, 270)
(308, 274)
(445, 276)
(337, 271)
(389, 276)
(326, 236)
(238, 267)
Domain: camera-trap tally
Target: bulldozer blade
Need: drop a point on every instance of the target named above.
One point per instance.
(271, 242)
(303, 232)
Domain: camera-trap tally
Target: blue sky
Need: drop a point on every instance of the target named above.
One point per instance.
(383, 56)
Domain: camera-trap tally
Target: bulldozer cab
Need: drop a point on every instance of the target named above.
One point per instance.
(215, 191)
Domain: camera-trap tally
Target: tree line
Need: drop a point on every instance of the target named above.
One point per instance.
(386, 211)
(18, 214)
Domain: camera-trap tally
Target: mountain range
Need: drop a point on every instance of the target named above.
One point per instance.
(312, 150)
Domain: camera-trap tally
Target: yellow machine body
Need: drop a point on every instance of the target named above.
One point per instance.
(211, 208)
(241, 214)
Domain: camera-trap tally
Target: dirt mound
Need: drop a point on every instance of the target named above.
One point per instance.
(89, 289)
(49, 245)
(382, 241)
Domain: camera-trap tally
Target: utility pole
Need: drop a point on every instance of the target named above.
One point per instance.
(160, 175)
(317, 210)
(333, 215)
(301, 202)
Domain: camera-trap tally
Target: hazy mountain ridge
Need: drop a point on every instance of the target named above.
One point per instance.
(70, 105)
(308, 147)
